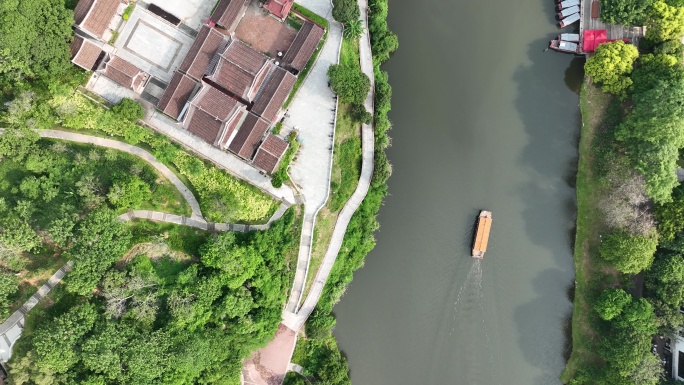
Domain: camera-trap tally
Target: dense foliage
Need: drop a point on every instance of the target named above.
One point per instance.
(345, 11)
(611, 64)
(625, 12)
(349, 83)
(665, 21)
(159, 321)
(630, 254)
(35, 40)
(639, 229)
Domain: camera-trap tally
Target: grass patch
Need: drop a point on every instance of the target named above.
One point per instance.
(320, 20)
(600, 115)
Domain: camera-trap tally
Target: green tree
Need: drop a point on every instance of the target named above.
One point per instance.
(61, 230)
(611, 66)
(345, 10)
(55, 342)
(349, 83)
(629, 253)
(8, 287)
(624, 12)
(651, 69)
(359, 114)
(130, 192)
(611, 302)
(237, 262)
(353, 29)
(666, 279)
(665, 22)
(36, 36)
(99, 241)
(128, 109)
(18, 235)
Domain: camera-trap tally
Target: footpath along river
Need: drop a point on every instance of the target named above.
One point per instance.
(483, 119)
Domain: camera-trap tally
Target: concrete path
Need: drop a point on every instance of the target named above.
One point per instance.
(223, 159)
(200, 223)
(133, 150)
(11, 329)
(312, 113)
(269, 365)
(295, 320)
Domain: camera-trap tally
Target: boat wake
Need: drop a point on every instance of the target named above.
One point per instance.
(467, 325)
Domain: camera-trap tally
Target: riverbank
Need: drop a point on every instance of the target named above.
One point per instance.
(600, 115)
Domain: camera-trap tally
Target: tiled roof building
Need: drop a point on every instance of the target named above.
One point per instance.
(84, 53)
(209, 111)
(126, 74)
(202, 51)
(303, 45)
(241, 70)
(248, 136)
(279, 8)
(176, 95)
(273, 94)
(228, 12)
(270, 153)
(94, 16)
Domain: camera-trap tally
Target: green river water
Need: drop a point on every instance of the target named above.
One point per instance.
(483, 119)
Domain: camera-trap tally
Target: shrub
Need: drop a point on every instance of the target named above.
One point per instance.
(611, 302)
(345, 10)
(629, 253)
(360, 114)
(128, 109)
(349, 83)
(611, 65)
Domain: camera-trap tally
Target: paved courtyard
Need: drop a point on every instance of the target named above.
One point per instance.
(263, 32)
(108, 89)
(152, 44)
(192, 13)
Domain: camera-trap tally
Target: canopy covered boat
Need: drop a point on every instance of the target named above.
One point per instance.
(484, 225)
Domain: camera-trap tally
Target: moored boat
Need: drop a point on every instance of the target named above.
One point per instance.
(568, 11)
(564, 46)
(484, 225)
(574, 37)
(567, 4)
(569, 20)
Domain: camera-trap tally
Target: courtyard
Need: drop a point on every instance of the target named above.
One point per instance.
(264, 33)
(151, 44)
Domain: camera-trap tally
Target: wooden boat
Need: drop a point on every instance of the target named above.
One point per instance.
(484, 225)
(563, 46)
(574, 37)
(569, 20)
(568, 11)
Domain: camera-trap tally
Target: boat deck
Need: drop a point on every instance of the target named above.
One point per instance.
(484, 224)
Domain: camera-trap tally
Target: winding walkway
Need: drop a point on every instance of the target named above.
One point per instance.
(133, 150)
(273, 371)
(200, 223)
(295, 320)
(11, 329)
(313, 112)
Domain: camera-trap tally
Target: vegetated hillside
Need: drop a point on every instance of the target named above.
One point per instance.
(170, 317)
(629, 226)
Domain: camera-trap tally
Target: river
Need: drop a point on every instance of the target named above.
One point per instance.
(483, 119)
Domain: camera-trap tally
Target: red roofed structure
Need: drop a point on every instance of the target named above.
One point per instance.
(592, 38)
(270, 153)
(279, 8)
